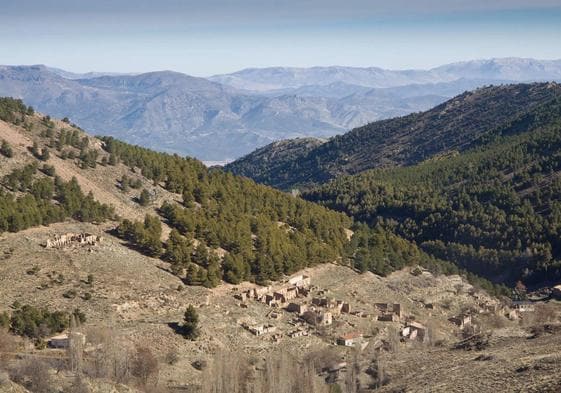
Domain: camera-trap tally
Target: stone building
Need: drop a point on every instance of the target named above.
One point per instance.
(415, 331)
(389, 311)
(349, 339)
(461, 320)
(297, 308)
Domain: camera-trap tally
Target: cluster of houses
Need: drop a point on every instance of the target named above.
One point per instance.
(279, 297)
(69, 239)
(321, 310)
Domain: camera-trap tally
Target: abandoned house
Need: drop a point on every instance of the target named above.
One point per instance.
(415, 331)
(523, 306)
(389, 308)
(68, 239)
(461, 320)
(63, 340)
(297, 308)
(318, 317)
(298, 333)
(349, 339)
(300, 281)
(320, 301)
(388, 317)
(261, 329)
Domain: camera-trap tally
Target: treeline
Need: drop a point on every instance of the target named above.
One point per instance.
(265, 233)
(33, 200)
(495, 210)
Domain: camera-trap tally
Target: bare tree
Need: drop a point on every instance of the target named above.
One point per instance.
(352, 382)
(145, 366)
(78, 386)
(35, 375)
(113, 356)
(277, 373)
(227, 372)
(393, 339)
(4, 378)
(75, 348)
(433, 334)
(7, 344)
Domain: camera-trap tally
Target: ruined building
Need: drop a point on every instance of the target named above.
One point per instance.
(70, 239)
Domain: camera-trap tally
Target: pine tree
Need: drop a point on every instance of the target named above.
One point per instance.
(144, 198)
(191, 323)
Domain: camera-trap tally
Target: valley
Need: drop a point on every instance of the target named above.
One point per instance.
(154, 272)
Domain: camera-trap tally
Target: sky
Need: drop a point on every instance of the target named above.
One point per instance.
(209, 37)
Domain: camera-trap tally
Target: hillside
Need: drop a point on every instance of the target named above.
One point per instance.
(493, 209)
(215, 209)
(273, 157)
(448, 128)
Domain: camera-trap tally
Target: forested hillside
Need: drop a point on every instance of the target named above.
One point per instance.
(265, 233)
(209, 225)
(451, 127)
(494, 209)
(225, 227)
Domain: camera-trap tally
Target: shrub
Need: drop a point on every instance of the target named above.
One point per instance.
(6, 149)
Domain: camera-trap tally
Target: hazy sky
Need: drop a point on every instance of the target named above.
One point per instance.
(215, 36)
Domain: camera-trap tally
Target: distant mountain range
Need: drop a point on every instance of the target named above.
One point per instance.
(511, 69)
(227, 116)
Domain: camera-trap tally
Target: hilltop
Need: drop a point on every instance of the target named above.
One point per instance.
(209, 209)
(177, 113)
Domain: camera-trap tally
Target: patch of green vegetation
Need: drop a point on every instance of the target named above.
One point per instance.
(32, 322)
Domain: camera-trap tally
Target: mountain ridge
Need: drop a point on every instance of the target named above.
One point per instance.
(451, 126)
(510, 68)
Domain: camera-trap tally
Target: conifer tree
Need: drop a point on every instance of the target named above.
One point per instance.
(191, 323)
